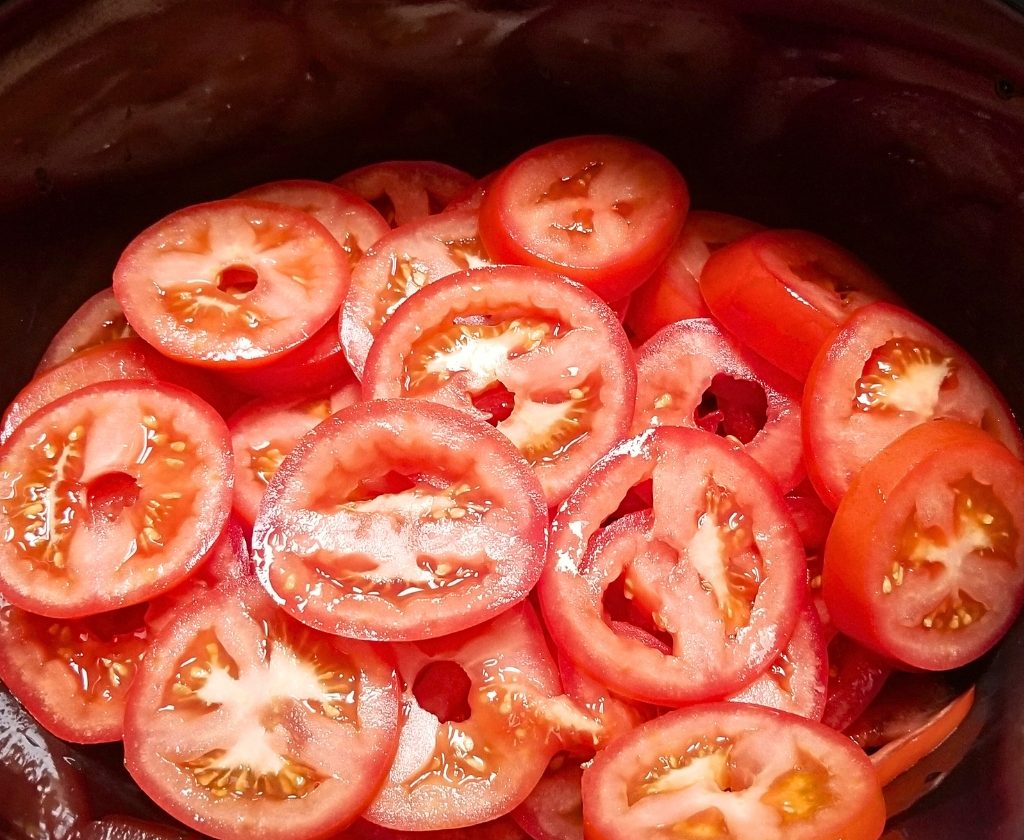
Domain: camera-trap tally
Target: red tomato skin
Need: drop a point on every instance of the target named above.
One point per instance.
(554, 811)
(614, 279)
(762, 309)
(404, 191)
(864, 539)
(856, 676)
(97, 320)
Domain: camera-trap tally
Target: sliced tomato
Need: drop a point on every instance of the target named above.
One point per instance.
(672, 293)
(925, 563)
(110, 496)
(554, 810)
(400, 519)
(796, 681)
(265, 431)
(732, 770)
(715, 566)
(129, 828)
(473, 196)
(500, 829)
(405, 191)
(783, 292)
(96, 321)
(245, 723)
(350, 219)
(601, 210)
(474, 740)
(883, 372)
(538, 356)
(401, 264)
(855, 677)
(690, 374)
(231, 283)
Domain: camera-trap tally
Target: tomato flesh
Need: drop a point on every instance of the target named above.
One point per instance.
(96, 321)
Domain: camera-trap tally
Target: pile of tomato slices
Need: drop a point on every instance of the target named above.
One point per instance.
(531, 506)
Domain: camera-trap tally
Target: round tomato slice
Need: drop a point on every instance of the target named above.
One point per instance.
(925, 563)
(732, 770)
(672, 293)
(96, 321)
(783, 292)
(110, 496)
(231, 283)
(474, 740)
(601, 210)
(264, 432)
(405, 191)
(715, 566)
(690, 374)
(401, 264)
(554, 810)
(501, 829)
(400, 519)
(883, 372)
(244, 723)
(539, 357)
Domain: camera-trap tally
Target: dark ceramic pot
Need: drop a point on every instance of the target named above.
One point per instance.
(893, 126)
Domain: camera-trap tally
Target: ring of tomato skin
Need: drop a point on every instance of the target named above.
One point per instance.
(755, 289)
(763, 742)
(263, 432)
(681, 361)
(96, 321)
(413, 438)
(397, 266)
(250, 633)
(571, 599)
(136, 421)
(482, 767)
(523, 183)
(302, 273)
(414, 189)
(881, 515)
(504, 293)
(839, 437)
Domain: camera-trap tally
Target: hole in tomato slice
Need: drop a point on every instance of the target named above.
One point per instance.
(237, 280)
(496, 401)
(628, 619)
(732, 407)
(391, 483)
(110, 493)
(442, 688)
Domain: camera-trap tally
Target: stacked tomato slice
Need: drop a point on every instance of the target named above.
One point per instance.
(472, 564)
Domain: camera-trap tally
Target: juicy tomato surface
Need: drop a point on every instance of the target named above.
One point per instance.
(110, 496)
(477, 731)
(672, 292)
(231, 283)
(601, 210)
(401, 264)
(554, 809)
(538, 356)
(501, 829)
(783, 292)
(96, 321)
(732, 770)
(715, 567)
(690, 374)
(855, 677)
(400, 519)
(924, 563)
(404, 191)
(883, 372)
(245, 723)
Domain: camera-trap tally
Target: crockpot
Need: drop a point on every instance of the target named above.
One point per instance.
(895, 127)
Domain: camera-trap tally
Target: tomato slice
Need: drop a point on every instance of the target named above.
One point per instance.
(783, 292)
(110, 496)
(690, 374)
(265, 431)
(601, 210)
(96, 321)
(925, 563)
(350, 219)
(245, 723)
(672, 293)
(883, 372)
(398, 520)
(231, 283)
(716, 566)
(474, 740)
(554, 810)
(729, 770)
(855, 677)
(551, 350)
(501, 829)
(405, 191)
(400, 264)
